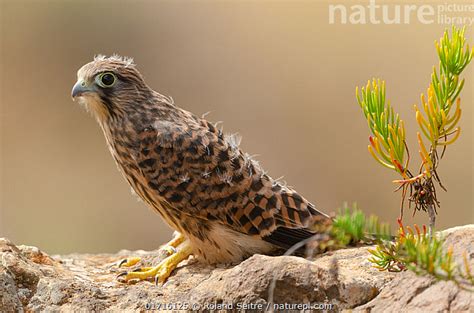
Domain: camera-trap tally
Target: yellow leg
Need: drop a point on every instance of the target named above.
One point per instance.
(169, 247)
(162, 271)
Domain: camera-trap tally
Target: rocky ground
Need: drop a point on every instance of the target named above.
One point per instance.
(31, 280)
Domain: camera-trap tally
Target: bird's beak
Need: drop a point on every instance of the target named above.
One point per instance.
(80, 88)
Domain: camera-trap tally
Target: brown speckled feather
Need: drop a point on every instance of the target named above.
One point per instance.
(203, 173)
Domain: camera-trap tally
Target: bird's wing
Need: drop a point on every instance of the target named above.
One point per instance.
(203, 173)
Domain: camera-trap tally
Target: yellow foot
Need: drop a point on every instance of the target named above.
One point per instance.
(169, 248)
(160, 272)
(128, 262)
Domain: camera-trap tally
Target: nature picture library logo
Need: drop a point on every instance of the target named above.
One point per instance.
(370, 12)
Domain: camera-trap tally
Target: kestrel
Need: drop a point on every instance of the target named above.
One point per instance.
(221, 202)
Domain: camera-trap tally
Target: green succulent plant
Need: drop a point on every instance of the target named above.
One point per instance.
(437, 119)
(411, 249)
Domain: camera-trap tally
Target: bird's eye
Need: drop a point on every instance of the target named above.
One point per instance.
(106, 79)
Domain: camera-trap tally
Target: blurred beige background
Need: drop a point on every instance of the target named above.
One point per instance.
(276, 72)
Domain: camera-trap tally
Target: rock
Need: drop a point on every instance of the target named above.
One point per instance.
(33, 281)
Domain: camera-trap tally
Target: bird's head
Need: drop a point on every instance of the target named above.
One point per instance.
(110, 86)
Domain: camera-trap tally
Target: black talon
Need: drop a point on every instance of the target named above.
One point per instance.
(122, 262)
(121, 274)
